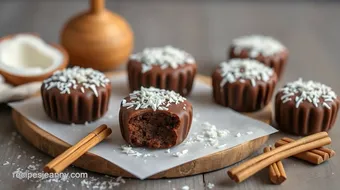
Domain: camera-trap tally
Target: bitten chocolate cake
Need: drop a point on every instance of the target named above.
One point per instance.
(76, 95)
(306, 107)
(265, 49)
(164, 67)
(244, 85)
(155, 118)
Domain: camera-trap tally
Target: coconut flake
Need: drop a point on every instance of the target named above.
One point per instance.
(256, 45)
(164, 57)
(181, 153)
(209, 135)
(307, 91)
(210, 185)
(157, 99)
(244, 69)
(76, 78)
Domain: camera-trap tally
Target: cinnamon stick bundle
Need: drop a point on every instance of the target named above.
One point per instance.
(277, 173)
(65, 159)
(250, 167)
(315, 156)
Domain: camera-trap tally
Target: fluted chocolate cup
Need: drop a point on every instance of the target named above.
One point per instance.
(243, 96)
(277, 61)
(305, 119)
(180, 79)
(76, 107)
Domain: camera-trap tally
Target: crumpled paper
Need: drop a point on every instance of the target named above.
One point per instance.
(11, 93)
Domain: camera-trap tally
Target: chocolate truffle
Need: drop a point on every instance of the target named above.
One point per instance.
(76, 95)
(155, 118)
(304, 108)
(265, 49)
(244, 85)
(163, 67)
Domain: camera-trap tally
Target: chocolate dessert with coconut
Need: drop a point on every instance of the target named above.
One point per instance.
(306, 107)
(244, 85)
(162, 67)
(155, 118)
(76, 95)
(265, 49)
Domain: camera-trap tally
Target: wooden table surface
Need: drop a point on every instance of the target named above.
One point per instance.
(205, 29)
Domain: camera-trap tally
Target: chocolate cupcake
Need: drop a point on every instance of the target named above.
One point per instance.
(265, 49)
(304, 108)
(164, 67)
(244, 85)
(76, 95)
(155, 118)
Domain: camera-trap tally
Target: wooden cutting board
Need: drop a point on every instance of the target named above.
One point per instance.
(54, 146)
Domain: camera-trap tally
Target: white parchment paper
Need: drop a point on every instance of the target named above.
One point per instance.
(205, 110)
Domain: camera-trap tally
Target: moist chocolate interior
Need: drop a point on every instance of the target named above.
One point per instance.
(154, 129)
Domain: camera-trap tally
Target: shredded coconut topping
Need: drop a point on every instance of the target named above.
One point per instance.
(157, 99)
(316, 93)
(209, 135)
(164, 57)
(244, 69)
(180, 153)
(257, 44)
(76, 78)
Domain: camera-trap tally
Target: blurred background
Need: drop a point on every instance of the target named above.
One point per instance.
(309, 29)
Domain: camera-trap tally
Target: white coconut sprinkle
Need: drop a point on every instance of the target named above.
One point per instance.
(164, 57)
(210, 185)
(257, 44)
(76, 78)
(250, 132)
(313, 92)
(209, 135)
(238, 135)
(6, 163)
(157, 99)
(185, 187)
(127, 149)
(167, 151)
(181, 153)
(244, 69)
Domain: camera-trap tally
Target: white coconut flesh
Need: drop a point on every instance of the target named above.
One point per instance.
(28, 55)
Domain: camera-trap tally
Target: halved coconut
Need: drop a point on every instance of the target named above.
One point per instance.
(26, 58)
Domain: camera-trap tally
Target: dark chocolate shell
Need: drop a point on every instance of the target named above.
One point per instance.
(277, 62)
(76, 107)
(243, 97)
(156, 129)
(179, 80)
(306, 119)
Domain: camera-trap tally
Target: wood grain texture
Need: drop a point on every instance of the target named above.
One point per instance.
(55, 146)
(309, 29)
(97, 38)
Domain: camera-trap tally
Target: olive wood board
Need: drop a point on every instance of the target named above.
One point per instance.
(54, 146)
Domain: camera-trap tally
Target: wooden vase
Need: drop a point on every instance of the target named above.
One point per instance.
(97, 38)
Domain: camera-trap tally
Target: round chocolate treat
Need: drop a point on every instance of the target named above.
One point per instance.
(155, 118)
(244, 85)
(265, 49)
(76, 95)
(164, 67)
(304, 108)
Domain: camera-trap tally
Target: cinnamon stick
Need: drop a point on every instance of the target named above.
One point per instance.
(232, 172)
(73, 153)
(277, 174)
(307, 156)
(326, 153)
(250, 167)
